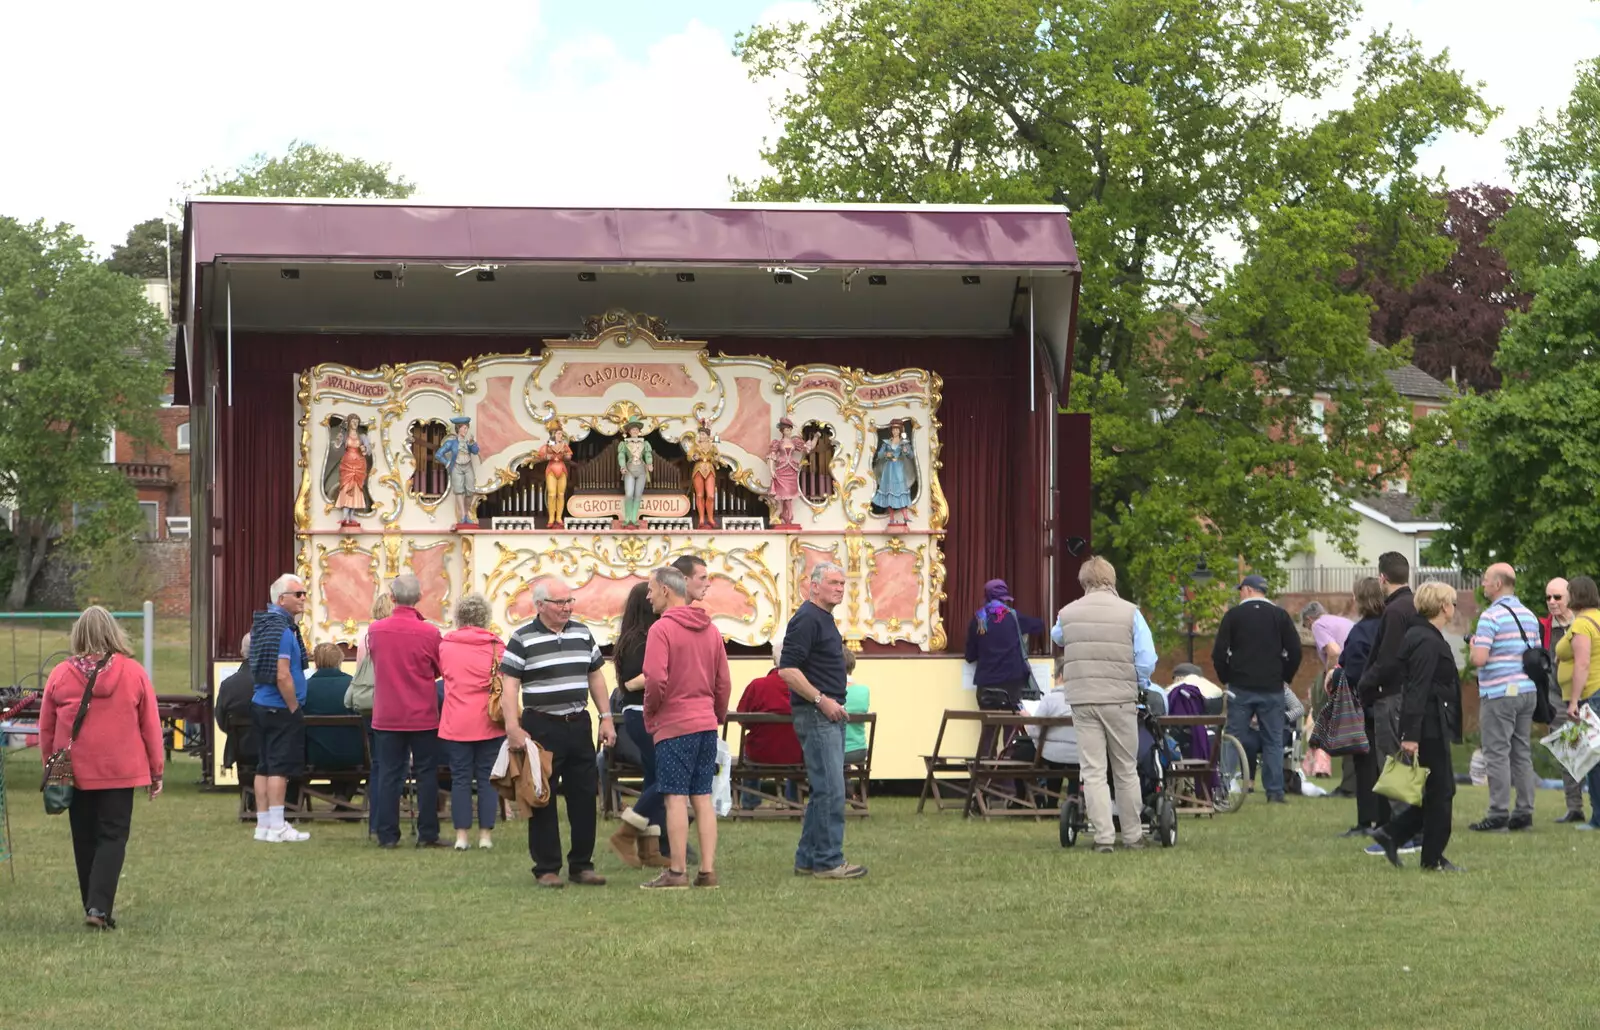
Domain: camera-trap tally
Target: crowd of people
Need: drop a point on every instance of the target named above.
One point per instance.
(460, 697)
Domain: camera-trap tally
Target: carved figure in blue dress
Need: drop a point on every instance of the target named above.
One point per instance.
(895, 466)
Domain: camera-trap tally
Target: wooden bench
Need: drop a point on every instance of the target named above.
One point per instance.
(320, 794)
(1194, 781)
(986, 784)
(620, 784)
(787, 778)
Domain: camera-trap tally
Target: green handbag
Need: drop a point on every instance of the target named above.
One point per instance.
(1402, 779)
(57, 785)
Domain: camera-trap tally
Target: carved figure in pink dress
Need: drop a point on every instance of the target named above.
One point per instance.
(787, 456)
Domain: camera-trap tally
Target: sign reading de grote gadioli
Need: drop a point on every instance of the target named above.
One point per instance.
(603, 506)
(594, 378)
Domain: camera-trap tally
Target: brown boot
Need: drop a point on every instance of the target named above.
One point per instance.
(650, 855)
(625, 843)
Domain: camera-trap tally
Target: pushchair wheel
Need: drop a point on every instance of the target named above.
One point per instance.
(1071, 822)
(1233, 775)
(1166, 822)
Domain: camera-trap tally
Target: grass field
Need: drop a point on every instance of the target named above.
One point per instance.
(1259, 919)
(27, 644)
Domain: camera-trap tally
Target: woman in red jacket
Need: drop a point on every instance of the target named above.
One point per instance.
(118, 748)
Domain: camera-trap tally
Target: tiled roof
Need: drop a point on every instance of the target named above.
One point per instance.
(1400, 507)
(1411, 381)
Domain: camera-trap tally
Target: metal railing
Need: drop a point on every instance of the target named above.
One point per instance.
(1341, 579)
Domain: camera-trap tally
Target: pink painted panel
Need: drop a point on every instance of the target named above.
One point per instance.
(602, 598)
(428, 564)
(752, 425)
(723, 598)
(348, 587)
(594, 378)
(894, 586)
(497, 424)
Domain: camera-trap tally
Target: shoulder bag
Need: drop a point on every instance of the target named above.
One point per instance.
(358, 695)
(58, 785)
(1537, 666)
(496, 688)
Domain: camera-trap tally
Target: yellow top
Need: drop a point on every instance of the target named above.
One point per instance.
(1587, 623)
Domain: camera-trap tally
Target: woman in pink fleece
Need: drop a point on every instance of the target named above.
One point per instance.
(469, 657)
(686, 688)
(118, 749)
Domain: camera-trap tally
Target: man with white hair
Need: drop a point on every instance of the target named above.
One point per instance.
(278, 666)
(812, 663)
(1108, 655)
(1553, 627)
(404, 649)
(1506, 697)
(553, 664)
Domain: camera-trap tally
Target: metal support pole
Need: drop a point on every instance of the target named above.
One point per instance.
(150, 640)
(1033, 350)
(230, 338)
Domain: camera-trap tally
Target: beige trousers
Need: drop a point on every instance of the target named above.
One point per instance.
(1108, 736)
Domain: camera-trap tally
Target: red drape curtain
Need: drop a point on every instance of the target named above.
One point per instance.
(986, 473)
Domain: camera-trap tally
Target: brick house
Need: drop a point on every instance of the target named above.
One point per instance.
(159, 471)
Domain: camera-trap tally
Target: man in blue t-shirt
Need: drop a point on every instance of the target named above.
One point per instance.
(812, 664)
(278, 663)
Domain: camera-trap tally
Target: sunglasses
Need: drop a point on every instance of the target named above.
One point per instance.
(1555, 597)
(559, 602)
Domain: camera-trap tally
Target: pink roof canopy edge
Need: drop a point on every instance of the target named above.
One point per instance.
(871, 235)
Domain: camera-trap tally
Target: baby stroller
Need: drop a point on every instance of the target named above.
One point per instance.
(1158, 814)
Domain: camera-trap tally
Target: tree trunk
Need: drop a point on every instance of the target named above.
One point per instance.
(30, 559)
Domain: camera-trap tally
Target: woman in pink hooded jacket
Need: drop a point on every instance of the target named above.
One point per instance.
(469, 656)
(118, 749)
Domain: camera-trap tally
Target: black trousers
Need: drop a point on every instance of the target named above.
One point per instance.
(1432, 817)
(574, 774)
(1372, 809)
(100, 821)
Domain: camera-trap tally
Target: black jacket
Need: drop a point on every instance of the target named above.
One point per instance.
(1385, 675)
(1430, 700)
(233, 707)
(1257, 647)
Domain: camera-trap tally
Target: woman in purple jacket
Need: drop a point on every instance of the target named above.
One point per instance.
(997, 643)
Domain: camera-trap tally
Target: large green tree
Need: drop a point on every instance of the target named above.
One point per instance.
(144, 254)
(1522, 483)
(83, 352)
(1162, 126)
(306, 170)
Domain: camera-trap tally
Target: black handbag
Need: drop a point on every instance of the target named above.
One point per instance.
(1537, 666)
(58, 785)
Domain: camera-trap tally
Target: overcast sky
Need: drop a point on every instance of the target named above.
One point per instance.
(109, 108)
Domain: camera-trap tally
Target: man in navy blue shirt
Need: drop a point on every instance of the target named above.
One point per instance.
(812, 664)
(278, 664)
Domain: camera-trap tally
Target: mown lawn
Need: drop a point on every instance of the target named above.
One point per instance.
(1257, 919)
(31, 646)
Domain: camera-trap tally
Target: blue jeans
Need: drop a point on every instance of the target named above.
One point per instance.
(471, 761)
(649, 803)
(822, 830)
(1267, 707)
(401, 751)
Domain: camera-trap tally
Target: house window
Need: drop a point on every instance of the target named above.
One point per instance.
(178, 527)
(151, 510)
(111, 446)
(183, 437)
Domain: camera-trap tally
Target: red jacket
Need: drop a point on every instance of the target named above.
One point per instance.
(120, 743)
(776, 744)
(405, 671)
(686, 681)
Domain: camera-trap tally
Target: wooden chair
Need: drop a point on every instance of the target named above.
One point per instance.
(1000, 786)
(620, 784)
(1192, 780)
(858, 775)
(750, 778)
(948, 782)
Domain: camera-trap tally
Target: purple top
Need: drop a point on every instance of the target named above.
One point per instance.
(1330, 629)
(875, 235)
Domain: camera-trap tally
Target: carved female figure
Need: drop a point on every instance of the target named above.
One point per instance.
(895, 465)
(637, 461)
(555, 454)
(786, 456)
(346, 480)
(703, 453)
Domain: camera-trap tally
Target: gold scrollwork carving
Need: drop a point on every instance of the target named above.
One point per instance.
(302, 501)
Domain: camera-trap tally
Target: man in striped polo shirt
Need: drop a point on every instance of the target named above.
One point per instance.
(1506, 698)
(553, 664)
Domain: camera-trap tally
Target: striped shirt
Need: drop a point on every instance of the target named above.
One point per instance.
(1502, 674)
(554, 667)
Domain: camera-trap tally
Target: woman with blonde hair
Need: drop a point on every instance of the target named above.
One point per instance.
(1430, 718)
(469, 657)
(101, 702)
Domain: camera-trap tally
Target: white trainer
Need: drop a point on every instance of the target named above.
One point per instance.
(262, 833)
(286, 834)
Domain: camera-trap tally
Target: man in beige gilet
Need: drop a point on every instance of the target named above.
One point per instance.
(1108, 656)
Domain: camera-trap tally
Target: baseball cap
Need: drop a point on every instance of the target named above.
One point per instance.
(1254, 582)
